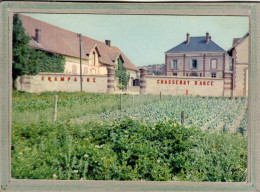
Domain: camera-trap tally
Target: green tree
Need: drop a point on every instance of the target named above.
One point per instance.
(122, 75)
(21, 51)
(27, 60)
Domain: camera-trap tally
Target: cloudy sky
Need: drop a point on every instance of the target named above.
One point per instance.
(145, 38)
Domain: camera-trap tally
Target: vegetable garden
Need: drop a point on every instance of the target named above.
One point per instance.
(113, 137)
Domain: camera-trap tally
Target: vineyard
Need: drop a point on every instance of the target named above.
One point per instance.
(125, 137)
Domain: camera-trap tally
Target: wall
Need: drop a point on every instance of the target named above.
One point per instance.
(62, 82)
(240, 82)
(191, 86)
(133, 76)
(73, 62)
(72, 66)
(242, 51)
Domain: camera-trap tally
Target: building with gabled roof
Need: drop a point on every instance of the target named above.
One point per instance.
(96, 55)
(240, 63)
(197, 56)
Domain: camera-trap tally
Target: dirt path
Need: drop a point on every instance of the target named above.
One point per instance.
(235, 126)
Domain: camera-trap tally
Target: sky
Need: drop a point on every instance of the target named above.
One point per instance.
(145, 38)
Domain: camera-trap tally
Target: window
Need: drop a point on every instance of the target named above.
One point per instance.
(187, 74)
(94, 55)
(174, 74)
(174, 64)
(194, 64)
(200, 74)
(213, 64)
(213, 75)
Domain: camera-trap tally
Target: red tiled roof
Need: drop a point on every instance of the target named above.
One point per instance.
(64, 42)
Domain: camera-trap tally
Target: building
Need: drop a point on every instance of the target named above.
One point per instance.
(96, 55)
(197, 56)
(240, 62)
(154, 69)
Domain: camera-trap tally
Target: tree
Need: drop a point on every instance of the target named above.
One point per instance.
(21, 50)
(27, 60)
(121, 73)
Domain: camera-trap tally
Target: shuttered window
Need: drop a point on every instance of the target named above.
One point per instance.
(213, 64)
(174, 64)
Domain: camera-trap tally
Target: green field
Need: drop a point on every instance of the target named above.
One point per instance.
(103, 137)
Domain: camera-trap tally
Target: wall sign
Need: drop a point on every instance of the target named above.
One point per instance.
(185, 82)
(68, 79)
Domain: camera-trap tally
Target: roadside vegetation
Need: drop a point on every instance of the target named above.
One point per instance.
(93, 139)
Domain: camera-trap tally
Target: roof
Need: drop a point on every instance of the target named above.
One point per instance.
(196, 44)
(236, 42)
(64, 42)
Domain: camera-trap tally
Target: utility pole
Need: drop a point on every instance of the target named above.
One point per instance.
(79, 35)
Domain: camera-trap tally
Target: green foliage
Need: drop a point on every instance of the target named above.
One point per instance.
(51, 63)
(220, 157)
(21, 50)
(122, 75)
(28, 61)
(126, 150)
(198, 111)
(156, 148)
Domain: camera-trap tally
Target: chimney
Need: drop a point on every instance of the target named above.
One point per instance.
(188, 38)
(108, 43)
(207, 38)
(37, 35)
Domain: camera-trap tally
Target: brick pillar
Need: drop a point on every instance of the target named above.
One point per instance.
(110, 79)
(228, 82)
(143, 74)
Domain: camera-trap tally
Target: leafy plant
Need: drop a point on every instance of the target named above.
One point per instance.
(126, 150)
(122, 75)
(143, 141)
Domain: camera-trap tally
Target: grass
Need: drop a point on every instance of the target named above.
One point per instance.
(31, 108)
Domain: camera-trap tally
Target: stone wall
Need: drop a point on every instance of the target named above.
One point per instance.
(62, 82)
(185, 86)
